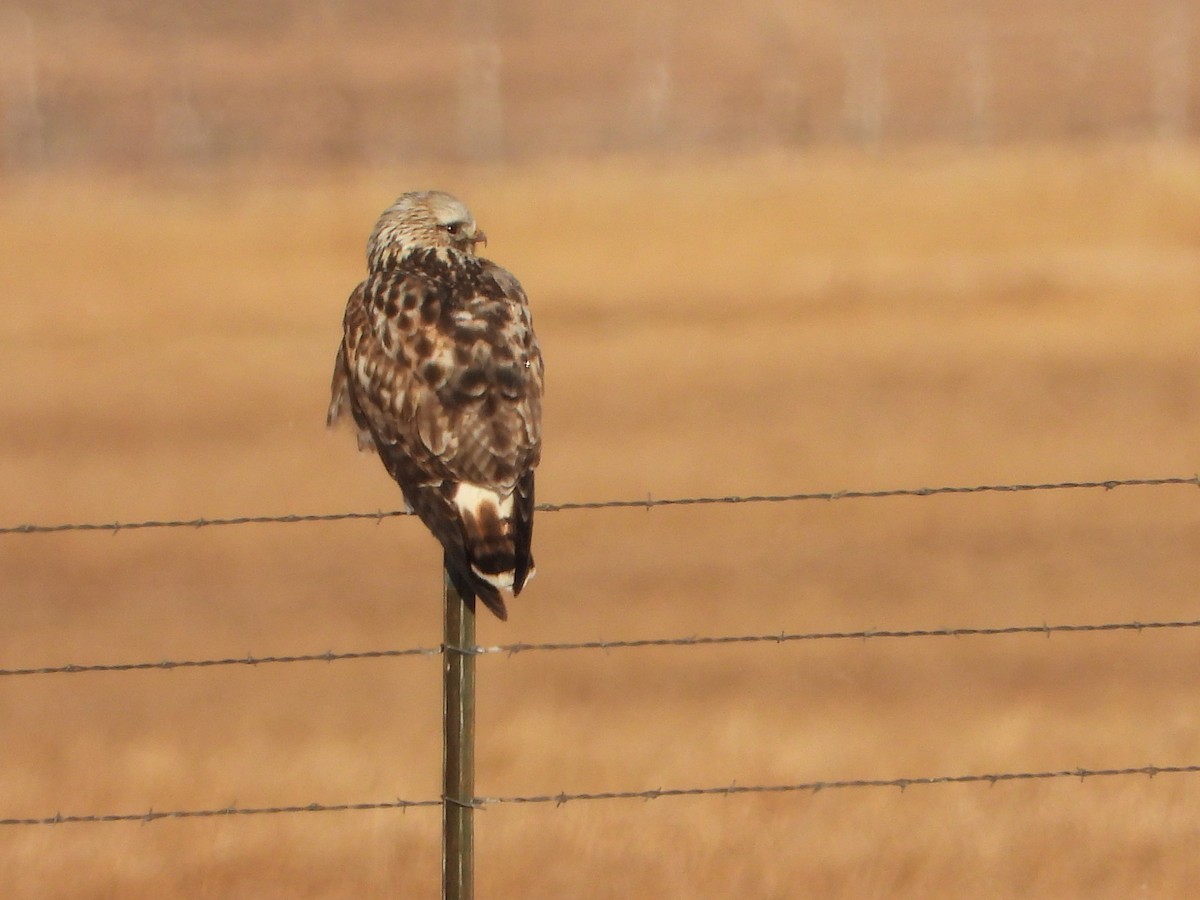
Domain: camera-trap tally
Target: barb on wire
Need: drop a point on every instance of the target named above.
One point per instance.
(564, 797)
(647, 503)
(782, 637)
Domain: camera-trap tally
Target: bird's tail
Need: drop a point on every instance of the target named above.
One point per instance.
(486, 536)
(435, 507)
(469, 586)
(497, 532)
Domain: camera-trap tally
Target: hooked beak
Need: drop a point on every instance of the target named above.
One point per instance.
(480, 237)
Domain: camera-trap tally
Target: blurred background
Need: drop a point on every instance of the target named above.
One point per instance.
(148, 85)
(771, 247)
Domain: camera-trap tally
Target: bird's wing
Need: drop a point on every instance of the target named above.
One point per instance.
(340, 401)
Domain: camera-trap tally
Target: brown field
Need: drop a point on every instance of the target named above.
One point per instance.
(771, 324)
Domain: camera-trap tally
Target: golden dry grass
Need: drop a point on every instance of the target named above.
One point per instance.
(765, 325)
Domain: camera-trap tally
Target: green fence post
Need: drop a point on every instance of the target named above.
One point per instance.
(458, 749)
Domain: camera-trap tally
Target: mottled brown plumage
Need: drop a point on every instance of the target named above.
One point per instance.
(440, 370)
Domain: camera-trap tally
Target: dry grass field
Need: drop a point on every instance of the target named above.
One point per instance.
(769, 324)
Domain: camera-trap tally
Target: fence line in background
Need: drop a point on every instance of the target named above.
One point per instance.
(966, 73)
(648, 503)
(782, 637)
(564, 797)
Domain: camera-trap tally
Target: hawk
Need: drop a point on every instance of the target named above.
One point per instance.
(441, 371)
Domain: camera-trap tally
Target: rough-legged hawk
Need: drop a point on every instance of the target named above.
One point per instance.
(440, 368)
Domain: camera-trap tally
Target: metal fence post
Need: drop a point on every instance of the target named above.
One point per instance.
(458, 749)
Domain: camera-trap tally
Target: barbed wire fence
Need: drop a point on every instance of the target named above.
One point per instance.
(563, 798)
(448, 651)
(822, 73)
(782, 637)
(648, 503)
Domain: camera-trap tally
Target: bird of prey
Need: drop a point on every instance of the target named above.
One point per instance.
(441, 371)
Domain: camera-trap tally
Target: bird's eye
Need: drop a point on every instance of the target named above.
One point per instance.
(453, 227)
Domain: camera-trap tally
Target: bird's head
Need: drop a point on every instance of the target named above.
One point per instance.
(422, 220)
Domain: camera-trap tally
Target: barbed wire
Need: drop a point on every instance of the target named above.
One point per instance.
(864, 635)
(154, 815)
(249, 660)
(563, 797)
(818, 786)
(648, 503)
(782, 637)
(115, 527)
